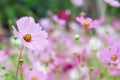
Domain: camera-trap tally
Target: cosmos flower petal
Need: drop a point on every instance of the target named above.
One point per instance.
(40, 35)
(89, 20)
(16, 33)
(24, 24)
(80, 19)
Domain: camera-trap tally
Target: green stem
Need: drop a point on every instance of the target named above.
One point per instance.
(20, 56)
(79, 67)
(21, 77)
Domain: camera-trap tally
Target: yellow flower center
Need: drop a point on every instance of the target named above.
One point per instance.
(27, 37)
(86, 23)
(34, 77)
(114, 57)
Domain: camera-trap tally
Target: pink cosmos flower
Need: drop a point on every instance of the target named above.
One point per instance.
(32, 56)
(46, 23)
(30, 33)
(37, 75)
(78, 3)
(60, 22)
(64, 14)
(114, 3)
(87, 22)
(110, 55)
(67, 66)
(113, 71)
(116, 23)
(109, 39)
(48, 55)
(95, 73)
(81, 58)
(3, 55)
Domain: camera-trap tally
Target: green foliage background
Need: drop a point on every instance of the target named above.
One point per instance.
(13, 9)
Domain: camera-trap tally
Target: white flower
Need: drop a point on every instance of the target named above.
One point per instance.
(74, 74)
(105, 30)
(15, 41)
(37, 65)
(94, 44)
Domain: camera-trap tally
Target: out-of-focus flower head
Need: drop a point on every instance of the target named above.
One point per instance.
(94, 43)
(46, 23)
(107, 35)
(3, 55)
(105, 30)
(87, 22)
(116, 23)
(95, 73)
(110, 55)
(113, 71)
(30, 34)
(37, 75)
(60, 22)
(64, 14)
(110, 39)
(67, 66)
(114, 3)
(77, 3)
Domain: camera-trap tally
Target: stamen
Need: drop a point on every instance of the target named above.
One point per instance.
(27, 37)
(34, 77)
(86, 23)
(114, 57)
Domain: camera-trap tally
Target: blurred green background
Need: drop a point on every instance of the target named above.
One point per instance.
(13, 9)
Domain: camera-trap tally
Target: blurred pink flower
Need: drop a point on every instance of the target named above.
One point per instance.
(55, 64)
(95, 74)
(110, 55)
(81, 58)
(32, 56)
(77, 3)
(114, 3)
(37, 75)
(67, 66)
(64, 14)
(116, 23)
(113, 71)
(48, 54)
(3, 55)
(87, 22)
(46, 23)
(60, 22)
(30, 33)
(109, 39)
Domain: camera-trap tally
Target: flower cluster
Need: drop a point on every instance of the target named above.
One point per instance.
(82, 49)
